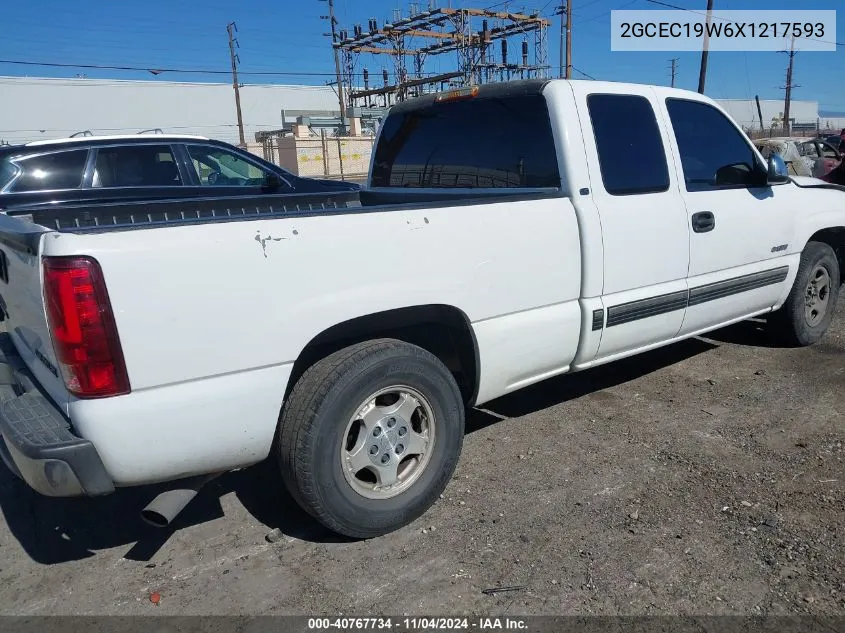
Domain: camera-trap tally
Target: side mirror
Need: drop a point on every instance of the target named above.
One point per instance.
(777, 171)
(272, 182)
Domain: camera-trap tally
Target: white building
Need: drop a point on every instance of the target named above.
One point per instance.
(38, 108)
(803, 114)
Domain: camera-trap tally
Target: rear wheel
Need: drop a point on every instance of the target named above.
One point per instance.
(370, 436)
(807, 312)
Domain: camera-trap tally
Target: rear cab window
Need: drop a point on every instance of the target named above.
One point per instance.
(485, 142)
(49, 172)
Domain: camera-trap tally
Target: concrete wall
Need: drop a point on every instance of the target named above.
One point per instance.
(61, 107)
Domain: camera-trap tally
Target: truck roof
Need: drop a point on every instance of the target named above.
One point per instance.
(533, 87)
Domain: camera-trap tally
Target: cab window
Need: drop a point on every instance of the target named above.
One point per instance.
(714, 153)
(632, 160)
(136, 166)
(59, 170)
(216, 167)
(7, 172)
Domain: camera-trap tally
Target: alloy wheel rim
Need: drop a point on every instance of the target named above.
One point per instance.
(388, 442)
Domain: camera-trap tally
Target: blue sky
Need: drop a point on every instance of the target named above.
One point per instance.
(285, 36)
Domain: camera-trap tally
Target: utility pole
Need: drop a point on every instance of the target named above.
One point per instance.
(788, 100)
(674, 62)
(759, 111)
(341, 101)
(702, 75)
(232, 28)
(569, 39)
(565, 13)
(561, 11)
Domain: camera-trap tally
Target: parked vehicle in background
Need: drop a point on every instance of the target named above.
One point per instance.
(825, 156)
(803, 157)
(509, 234)
(141, 167)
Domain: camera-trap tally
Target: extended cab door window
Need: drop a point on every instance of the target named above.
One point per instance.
(49, 172)
(136, 166)
(631, 157)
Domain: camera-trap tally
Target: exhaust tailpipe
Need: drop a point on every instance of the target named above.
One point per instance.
(162, 510)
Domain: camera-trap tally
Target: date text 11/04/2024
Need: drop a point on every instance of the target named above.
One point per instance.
(416, 624)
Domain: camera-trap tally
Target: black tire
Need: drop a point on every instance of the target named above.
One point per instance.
(791, 322)
(316, 414)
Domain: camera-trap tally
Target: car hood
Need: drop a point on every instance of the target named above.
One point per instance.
(806, 182)
(319, 184)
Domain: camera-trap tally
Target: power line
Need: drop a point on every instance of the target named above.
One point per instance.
(601, 15)
(578, 70)
(159, 70)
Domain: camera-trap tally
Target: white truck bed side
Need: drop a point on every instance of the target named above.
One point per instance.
(261, 290)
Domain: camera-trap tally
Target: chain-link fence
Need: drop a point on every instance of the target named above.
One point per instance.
(323, 156)
(776, 132)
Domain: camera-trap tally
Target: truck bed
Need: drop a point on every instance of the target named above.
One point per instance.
(177, 211)
(214, 300)
(97, 217)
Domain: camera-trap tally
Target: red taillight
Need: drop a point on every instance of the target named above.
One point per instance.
(82, 327)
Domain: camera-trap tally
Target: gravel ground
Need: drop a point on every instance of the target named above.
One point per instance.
(703, 478)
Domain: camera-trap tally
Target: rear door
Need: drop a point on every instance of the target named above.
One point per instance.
(220, 172)
(643, 218)
(137, 171)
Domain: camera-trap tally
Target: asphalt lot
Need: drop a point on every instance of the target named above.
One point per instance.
(704, 478)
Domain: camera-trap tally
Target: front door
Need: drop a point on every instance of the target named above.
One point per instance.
(221, 172)
(643, 220)
(740, 227)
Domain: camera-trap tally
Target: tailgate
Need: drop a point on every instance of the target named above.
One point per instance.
(22, 304)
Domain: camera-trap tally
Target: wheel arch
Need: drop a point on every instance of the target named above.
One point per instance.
(834, 237)
(443, 330)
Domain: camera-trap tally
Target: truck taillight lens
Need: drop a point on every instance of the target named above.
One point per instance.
(82, 328)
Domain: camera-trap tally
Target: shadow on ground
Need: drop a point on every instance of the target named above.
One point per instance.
(59, 530)
(751, 333)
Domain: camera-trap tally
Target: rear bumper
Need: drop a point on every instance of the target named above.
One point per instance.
(36, 441)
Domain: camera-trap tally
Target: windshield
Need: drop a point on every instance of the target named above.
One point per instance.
(7, 172)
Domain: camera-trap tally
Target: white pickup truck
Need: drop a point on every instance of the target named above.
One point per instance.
(509, 233)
